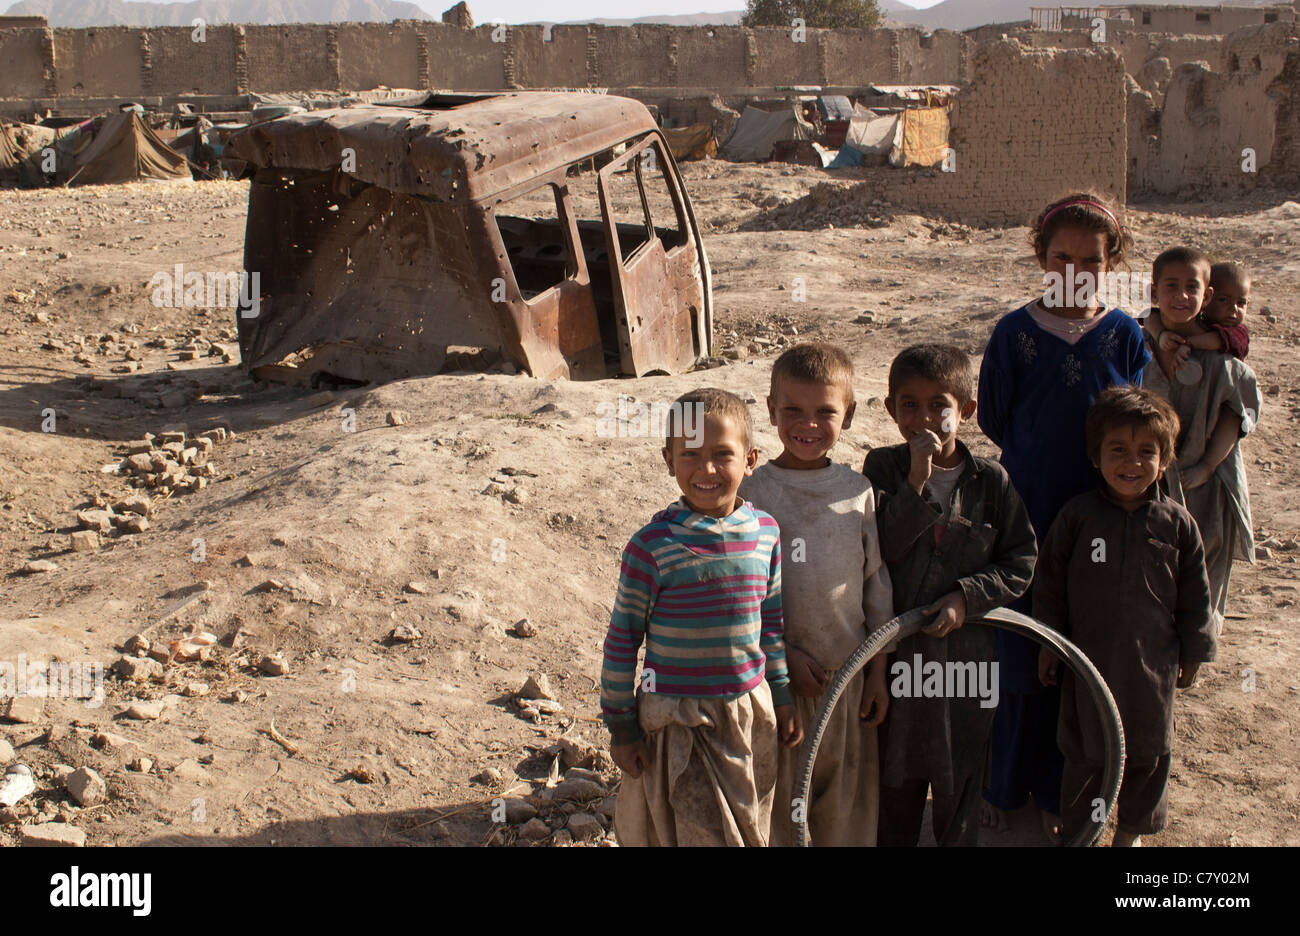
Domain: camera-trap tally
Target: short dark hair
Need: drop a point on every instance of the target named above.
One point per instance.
(1189, 256)
(1135, 408)
(815, 362)
(714, 402)
(1081, 210)
(1230, 271)
(947, 365)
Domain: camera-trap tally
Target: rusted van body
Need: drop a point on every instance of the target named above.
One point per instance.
(385, 235)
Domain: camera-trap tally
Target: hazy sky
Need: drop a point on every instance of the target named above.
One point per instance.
(559, 11)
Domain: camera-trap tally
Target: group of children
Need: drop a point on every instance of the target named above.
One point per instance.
(1112, 516)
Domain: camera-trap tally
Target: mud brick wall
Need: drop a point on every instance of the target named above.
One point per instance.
(299, 57)
(1032, 126)
(130, 61)
(180, 65)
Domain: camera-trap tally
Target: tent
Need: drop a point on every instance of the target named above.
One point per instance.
(126, 150)
(693, 142)
(18, 142)
(924, 137)
(757, 131)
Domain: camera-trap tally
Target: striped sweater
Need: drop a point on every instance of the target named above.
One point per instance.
(704, 595)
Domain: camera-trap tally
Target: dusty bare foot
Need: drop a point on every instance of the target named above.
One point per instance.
(1126, 840)
(991, 817)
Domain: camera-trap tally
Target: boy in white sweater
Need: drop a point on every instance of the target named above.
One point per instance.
(835, 590)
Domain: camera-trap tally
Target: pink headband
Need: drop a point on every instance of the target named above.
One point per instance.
(1091, 204)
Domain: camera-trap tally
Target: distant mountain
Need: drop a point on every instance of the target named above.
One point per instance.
(214, 12)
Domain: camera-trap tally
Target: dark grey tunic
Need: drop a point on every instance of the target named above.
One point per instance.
(980, 543)
(1137, 615)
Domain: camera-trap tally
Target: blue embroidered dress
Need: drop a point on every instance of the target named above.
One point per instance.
(1034, 393)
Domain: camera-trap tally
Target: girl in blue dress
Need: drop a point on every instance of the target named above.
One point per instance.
(1044, 365)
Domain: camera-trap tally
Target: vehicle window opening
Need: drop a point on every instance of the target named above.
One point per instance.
(536, 241)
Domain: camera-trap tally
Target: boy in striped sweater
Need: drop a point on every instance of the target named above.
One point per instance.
(700, 585)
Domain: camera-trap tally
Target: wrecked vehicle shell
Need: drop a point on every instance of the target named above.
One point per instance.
(386, 246)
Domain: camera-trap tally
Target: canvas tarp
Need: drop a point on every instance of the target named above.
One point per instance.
(873, 133)
(126, 150)
(757, 131)
(924, 138)
(693, 142)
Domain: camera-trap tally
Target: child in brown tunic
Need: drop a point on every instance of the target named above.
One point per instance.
(1122, 574)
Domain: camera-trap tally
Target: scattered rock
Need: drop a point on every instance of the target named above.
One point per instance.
(516, 496)
(535, 830)
(562, 838)
(404, 633)
(584, 825)
(524, 628)
(361, 774)
(137, 643)
(57, 834)
(1263, 552)
(86, 786)
(39, 565)
(537, 686)
(196, 689)
(397, 417)
(579, 789)
(145, 711)
(273, 665)
(576, 753)
(6, 752)
(106, 741)
(136, 504)
(138, 668)
(140, 765)
(489, 775)
(25, 709)
(95, 520)
(84, 541)
(417, 588)
(519, 811)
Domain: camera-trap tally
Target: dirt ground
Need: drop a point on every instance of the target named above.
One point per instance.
(317, 542)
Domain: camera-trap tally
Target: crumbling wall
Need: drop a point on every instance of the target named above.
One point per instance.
(298, 57)
(22, 62)
(370, 57)
(232, 59)
(1207, 116)
(104, 61)
(1016, 147)
(180, 64)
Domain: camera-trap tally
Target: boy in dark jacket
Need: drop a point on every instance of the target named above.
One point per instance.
(1122, 574)
(956, 539)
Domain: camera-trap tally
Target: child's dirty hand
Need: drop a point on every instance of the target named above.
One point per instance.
(875, 694)
(807, 676)
(632, 758)
(788, 727)
(924, 445)
(1171, 341)
(950, 614)
(1048, 663)
(1193, 476)
(1187, 675)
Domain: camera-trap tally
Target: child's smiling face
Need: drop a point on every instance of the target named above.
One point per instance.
(809, 418)
(921, 404)
(1129, 462)
(1229, 303)
(709, 474)
(1181, 291)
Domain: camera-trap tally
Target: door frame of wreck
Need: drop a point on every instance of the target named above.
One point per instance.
(557, 331)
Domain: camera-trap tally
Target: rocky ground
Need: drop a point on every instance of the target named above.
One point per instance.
(375, 615)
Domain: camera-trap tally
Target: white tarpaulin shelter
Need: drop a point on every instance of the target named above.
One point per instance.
(869, 133)
(757, 131)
